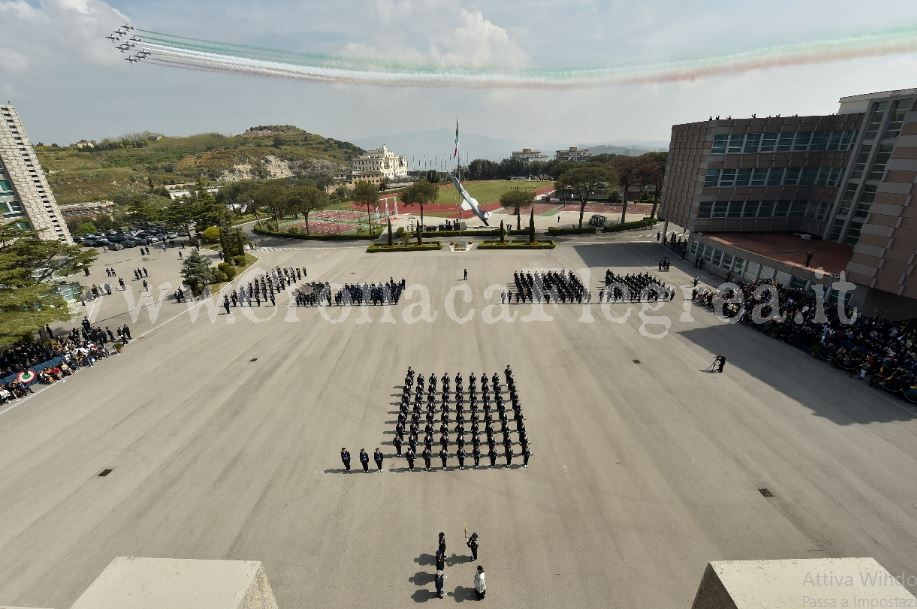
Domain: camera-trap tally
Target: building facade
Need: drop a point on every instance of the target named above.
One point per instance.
(25, 196)
(383, 161)
(572, 154)
(528, 155)
(839, 183)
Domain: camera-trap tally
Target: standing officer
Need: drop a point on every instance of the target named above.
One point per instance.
(461, 457)
(364, 460)
(443, 455)
(526, 453)
(409, 455)
(492, 455)
(473, 544)
(377, 457)
(398, 443)
(476, 453)
(426, 457)
(442, 545)
(345, 458)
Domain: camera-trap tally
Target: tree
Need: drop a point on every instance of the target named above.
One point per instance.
(368, 195)
(177, 215)
(517, 198)
(28, 268)
(389, 219)
(628, 170)
(652, 172)
(195, 272)
(532, 226)
(84, 228)
(583, 180)
(306, 199)
(273, 196)
(143, 211)
(422, 193)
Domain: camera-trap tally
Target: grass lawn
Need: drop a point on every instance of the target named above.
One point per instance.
(487, 191)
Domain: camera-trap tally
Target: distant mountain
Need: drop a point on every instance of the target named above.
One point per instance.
(438, 143)
(628, 148)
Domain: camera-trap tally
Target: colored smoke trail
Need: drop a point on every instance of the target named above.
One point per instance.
(200, 54)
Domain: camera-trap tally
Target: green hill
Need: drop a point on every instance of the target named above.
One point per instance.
(143, 162)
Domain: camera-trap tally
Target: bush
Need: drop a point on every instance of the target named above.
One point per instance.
(516, 245)
(217, 276)
(238, 261)
(400, 232)
(644, 223)
(411, 247)
(568, 230)
(228, 270)
(211, 234)
(377, 231)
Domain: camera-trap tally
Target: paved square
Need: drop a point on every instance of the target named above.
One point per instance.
(223, 439)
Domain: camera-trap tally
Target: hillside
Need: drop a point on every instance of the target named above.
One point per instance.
(140, 163)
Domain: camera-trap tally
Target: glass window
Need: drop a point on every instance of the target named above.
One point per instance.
(736, 141)
(719, 143)
(822, 210)
(708, 253)
(896, 118)
(874, 119)
(846, 140)
(782, 209)
(751, 272)
(743, 176)
(801, 143)
(5, 187)
(835, 233)
(798, 209)
(704, 210)
(750, 210)
(766, 209)
(727, 261)
(819, 141)
(808, 175)
(735, 209)
(833, 140)
(720, 208)
(785, 142)
(869, 193)
(853, 233)
(775, 176)
(768, 142)
(862, 158)
(711, 178)
(739, 267)
(791, 176)
(847, 199)
(716, 258)
(752, 140)
(877, 171)
(759, 176)
(692, 247)
(727, 177)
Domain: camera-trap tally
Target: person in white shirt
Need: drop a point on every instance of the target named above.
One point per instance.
(480, 584)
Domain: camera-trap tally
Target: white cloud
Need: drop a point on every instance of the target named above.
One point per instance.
(58, 30)
(443, 32)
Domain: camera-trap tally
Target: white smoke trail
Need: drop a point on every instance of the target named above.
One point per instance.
(196, 54)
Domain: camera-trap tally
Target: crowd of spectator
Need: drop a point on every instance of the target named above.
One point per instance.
(69, 352)
(869, 348)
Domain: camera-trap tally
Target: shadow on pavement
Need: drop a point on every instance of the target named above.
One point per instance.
(462, 594)
(425, 559)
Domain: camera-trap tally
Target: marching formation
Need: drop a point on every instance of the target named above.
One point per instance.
(265, 287)
(639, 287)
(485, 420)
(316, 294)
(561, 286)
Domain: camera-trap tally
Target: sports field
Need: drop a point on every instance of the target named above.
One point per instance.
(488, 191)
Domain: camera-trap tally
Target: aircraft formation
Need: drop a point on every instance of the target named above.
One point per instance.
(126, 40)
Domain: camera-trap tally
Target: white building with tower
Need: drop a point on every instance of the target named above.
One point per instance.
(380, 161)
(25, 196)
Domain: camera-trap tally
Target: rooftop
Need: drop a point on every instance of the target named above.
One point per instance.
(790, 249)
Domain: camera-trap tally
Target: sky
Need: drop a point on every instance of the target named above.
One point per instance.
(68, 82)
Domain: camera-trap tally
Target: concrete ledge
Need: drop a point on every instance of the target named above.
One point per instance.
(169, 583)
(799, 584)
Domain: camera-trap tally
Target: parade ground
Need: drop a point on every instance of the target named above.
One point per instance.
(223, 433)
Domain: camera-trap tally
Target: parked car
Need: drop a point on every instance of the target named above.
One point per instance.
(129, 243)
(115, 246)
(598, 220)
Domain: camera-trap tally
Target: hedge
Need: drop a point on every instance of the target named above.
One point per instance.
(377, 232)
(644, 223)
(567, 230)
(516, 245)
(410, 247)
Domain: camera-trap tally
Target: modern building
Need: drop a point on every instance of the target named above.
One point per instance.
(25, 196)
(803, 198)
(572, 154)
(528, 155)
(381, 160)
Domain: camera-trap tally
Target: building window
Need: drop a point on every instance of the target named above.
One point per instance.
(791, 176)
(750, 210)
(896, 118)
(808, 176)
(727, 178)
(801, 143)
(727, 261)
(736, 142)
(862, 157)
(768, 142)
(705, 209)
(743, 176)
(775, 177)
(819, 141)
(877, 171)
(711, 178)
(835, 233)
(759, 176)
(692, 247)
(874, 119)
(717, 257)
(739, 267)
(766, 210)
(853, 233)
(720, 208)
(782, 209)
(735, 209)
(798, 209)
(719, 143)
(752, 140)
